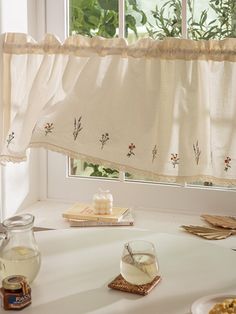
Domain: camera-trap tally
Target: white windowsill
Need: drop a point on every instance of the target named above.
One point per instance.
(48, 214)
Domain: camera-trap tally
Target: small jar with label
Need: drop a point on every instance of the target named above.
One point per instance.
(15, 293)
(103, 203)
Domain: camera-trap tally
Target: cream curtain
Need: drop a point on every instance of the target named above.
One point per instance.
(166, 109)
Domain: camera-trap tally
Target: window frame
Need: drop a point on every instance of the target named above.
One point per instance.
(28, 17)
(56, 184)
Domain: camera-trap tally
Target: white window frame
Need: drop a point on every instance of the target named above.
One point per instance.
(25, 16)
(57, 184)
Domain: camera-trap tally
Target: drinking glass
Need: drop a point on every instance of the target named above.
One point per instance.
(139, 263)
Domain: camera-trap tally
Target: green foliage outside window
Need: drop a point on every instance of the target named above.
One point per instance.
(168, 20)
(100, 17)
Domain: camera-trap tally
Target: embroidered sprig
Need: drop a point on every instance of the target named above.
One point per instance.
(227, 163)
(77, 127)
(174, 159)
(48, 128)
(197, 152)
(104, 139)
(11, 136)
(154, 153)
(131, 150)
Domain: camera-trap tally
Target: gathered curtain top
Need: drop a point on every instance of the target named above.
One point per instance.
(168, 48)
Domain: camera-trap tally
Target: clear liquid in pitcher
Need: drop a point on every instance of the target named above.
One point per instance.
(20, 260)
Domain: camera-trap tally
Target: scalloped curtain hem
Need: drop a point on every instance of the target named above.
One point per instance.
(160, 178)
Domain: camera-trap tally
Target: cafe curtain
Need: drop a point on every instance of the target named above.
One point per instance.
(164, 109)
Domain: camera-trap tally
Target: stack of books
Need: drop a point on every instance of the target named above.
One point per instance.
(82, 215)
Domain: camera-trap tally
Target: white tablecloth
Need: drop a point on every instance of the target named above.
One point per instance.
(78, 264)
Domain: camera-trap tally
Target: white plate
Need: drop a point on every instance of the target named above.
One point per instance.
(205, 304)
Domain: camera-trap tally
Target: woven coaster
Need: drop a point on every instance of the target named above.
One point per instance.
(119, 283)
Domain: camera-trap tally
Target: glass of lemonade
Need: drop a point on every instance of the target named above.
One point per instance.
(139, 263)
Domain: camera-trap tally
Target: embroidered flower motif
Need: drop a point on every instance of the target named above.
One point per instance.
(48, 128)
(227, 163)
(174, 159)
(104, 139)
(77, 127)
(154, 153)
(10, 138)
(131, 148)
(197, 152)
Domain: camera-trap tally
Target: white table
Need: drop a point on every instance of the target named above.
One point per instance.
(78, 264)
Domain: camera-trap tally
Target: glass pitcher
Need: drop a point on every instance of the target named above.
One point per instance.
(19, 253)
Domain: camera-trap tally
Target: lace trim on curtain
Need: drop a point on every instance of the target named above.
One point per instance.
(119, 167)
(169, 48)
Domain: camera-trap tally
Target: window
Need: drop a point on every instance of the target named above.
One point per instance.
(101, 18)
(158, 19)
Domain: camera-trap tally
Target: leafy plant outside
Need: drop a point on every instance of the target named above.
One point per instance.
(100, 17)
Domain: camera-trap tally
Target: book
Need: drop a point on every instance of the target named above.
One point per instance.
(86, 212)
(126, 220)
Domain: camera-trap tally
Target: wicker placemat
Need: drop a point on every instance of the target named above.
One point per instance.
(119, 283)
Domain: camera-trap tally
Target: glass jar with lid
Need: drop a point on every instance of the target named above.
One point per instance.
(103, 202)
(15, 293)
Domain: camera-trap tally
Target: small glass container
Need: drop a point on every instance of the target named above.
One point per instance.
(15, 293)
(139, 264)
(19, 253)
(103, 203)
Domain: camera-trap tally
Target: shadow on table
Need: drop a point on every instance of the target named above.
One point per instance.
(62, 241)
(95, 300)
(107, 301)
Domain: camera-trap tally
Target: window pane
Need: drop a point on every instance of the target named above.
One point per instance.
(140, 178)
(93, 17)
(87, 169)
(212, 19)
(206, 19)
(156, 19)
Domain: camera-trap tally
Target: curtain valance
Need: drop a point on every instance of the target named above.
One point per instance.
(166, 109)
(169, 48)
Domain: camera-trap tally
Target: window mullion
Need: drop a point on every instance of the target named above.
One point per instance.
(121, 176)
(121, 18)
(184, 19)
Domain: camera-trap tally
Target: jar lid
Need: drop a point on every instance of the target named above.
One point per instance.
(13, 282)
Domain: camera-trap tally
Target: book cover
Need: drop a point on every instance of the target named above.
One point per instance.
(126, 220)
(85, 211)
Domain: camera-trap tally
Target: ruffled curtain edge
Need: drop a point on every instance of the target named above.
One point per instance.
(168, 48)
